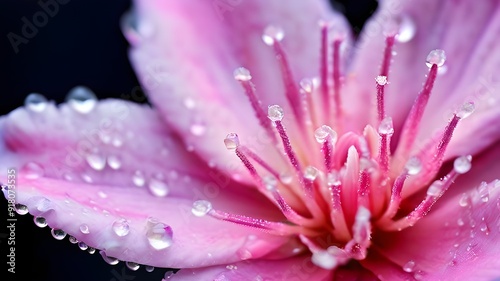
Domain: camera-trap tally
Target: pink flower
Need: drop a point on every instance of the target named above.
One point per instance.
(367, 169)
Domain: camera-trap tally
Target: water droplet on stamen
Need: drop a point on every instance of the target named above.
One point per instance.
(334, 179)
(232, 141)
(32, 170)
(81, 99)
(84, 229)
(311, 173)
(36, 102)
(109, 260)
(40, 222)
(272, 34)
(270, 183)
(381, 80)
(114, 162)
(138, 178)
(121, 227)
(324, 133)
(58, 234)
(160, 236)
(306, 85)
(409, 266)
(201, 208)
(466, 110)
(157, 186)
(132, 265)
(413, 166)
(275, 112)
(437, 57)
(242, 74)
(386, 127)
(462, 164)
(435, 188)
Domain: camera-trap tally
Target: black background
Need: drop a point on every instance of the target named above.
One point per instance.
(81, 45)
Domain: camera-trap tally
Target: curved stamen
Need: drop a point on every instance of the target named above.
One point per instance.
(337, 102)
(325, 90)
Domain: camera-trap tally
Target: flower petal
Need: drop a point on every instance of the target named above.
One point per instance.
(187, 59)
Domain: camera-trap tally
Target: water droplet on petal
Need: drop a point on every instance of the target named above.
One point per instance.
(138, 178)
(109, 260)
(325, 133)
(483, 192)
(114, 162)
(286, 178)
(201, 208)
(81, 99)
(72, 240)
(36, 102)
(82, 246)
(91, 250)
(275, 112)
(96, 160)
(21, 209)
(149, 268)
(32, 170)
(198, 129)
(84, 229)
(437, 57)
(413, 166)
(242, 74)
(232, 141)
(409, 266)
(386, 127)
(159, 235)
(460, 222)
(462, 164)
(407, 29)
(381, 80)
(40, 222)
(464, 200)
(58, 234)
(466, 110)
(157, 186)
(311, 173)
(132, 265)
(272, 34)
(121, 227)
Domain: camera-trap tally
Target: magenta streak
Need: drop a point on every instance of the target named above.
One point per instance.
(250, 167)
(448, 133)
(395, 196)
(277, 227)
(259, 161)
(336, 79)
(324, 70)
(364, 189)
(289, 151)
(386, 62)
(259, 112)
(327, 154)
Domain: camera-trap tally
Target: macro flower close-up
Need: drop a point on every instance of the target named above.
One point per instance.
(278, 144)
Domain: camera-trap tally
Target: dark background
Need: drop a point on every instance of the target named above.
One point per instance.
(81, 45)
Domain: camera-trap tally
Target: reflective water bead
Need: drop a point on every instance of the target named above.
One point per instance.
(275, 112)
(96, 160)
(84, 229)
(159, 235)
(149, 268)
(311, 173)
(198, 128)
(21, 209)
(201, 208)
(437, 57)
(270, 182)
(72, 240)
(121, 227)
(138, 178)
(32, 170)
(324, 260)
(413, 166)
(435, 188)
(271, 34)
(132, 265)
(114, 162)
(91, 250)
(324, 133)
(407, 29)
(81, 99)
(466, 110)
(464, 200)
(109, 260)
(306, 85)
(58, 234)
(36, 102)
(381, 80)
(386, 127)
(82, 246)
(409, 266)
(232, 141)
(40, 221)
(157, 186)
(242, 74)
(462, 164)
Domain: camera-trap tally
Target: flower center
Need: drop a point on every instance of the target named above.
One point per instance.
(343, 184)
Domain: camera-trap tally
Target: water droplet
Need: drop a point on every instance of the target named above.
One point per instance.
(435, 188)
(116, 141)
(149, 268)
(84, 229)
(189, 103)
(413, 166)
(121, 227)
(21, 209)
(81, 99)
(72, 240)
(466, 110)
(324, 133)
(464, 200)
(157, 186)
(462, 164)
(286, 178)
(409, 266)
(275, 112)
(306, 85)
(324, 260)
(334, 179)
(232, 141)
(40, 222)
(311, 173)
(132, 265)
(32, 170)
(381, 80)
(270, 182)
(484, 228)
(242, 74)
(272, 34)
(437, 57)
(96, 160)
(138, 178)
(114, 162)
(460, 222)
(407, 29)
(386, 127)
(483, 192)
(160, 236)
(91, 250)
(198, 129)
(82, 246)
(58, 234)
(231, 267)
(102, 194)
(109, 260)
(36, 102)
(201, 208)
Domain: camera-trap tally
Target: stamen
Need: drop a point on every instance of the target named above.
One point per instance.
(243, 75)
(272, 36)
(385, 129)
(259, 161)
(386, 62)
(381, 82)
(336, 81)
(340, 230)
(328, 137)
(358, 246)
(325, 91)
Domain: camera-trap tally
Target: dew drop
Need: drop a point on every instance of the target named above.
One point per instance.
(386, 127)
(96, 160)
(409, 266)
(275, 112)
(466, 110)
(232, 141)
(21, 209)
(36, 102)
(334, 179)
(84, 229)
(242, 74)
(462, 164)
(324, 260)
(58, 234)
(72, 240)
(82, 246)
(160, 236)
(407, 29)
(201, 208)
(413, 166)
(324, 133)
(157, 186)
(306, 85)
(121, 227)
(484, 228)
(435, 188)
(198, 129)
(116, 141)
(381, 80)
(91, 250)
(272, 34)
(132, 265)
(138, 178)
(81, 99)
(460, 222)
(40, 222)
(102, 194)
(483, 192)
(114, 162)
(149, 268)
(270, 183)
(109, 260)
(32, 170)
(311, 173)
(286, 178)
(464, 200)
(437, 57)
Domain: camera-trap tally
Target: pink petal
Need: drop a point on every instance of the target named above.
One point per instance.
(185, 56)
(51, 152)
(471, 65)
